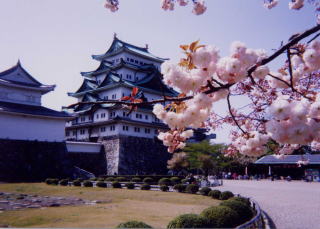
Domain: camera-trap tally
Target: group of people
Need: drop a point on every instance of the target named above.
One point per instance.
(203, 181)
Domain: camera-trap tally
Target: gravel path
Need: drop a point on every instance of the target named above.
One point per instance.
(291, 205)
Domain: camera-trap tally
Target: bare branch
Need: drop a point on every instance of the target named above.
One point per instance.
(232, 115)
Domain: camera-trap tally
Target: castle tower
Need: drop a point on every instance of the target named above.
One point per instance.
(130, 139)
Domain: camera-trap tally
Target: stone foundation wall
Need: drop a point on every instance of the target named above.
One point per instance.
(129, 155)
(33, 160)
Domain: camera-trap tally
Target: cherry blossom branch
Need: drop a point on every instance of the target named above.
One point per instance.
(232, 115)
(290, 69)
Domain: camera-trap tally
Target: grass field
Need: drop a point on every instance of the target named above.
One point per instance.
(153, 207)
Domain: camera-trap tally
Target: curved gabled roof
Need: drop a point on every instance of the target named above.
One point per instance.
(18, 76)
(103, 67)
(87, 85)
(118, 46)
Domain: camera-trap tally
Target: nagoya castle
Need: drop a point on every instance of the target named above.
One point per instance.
(129, 138)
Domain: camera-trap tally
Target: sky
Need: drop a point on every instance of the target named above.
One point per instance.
(54, 40)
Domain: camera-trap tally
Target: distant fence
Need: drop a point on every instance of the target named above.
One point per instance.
(256, 222)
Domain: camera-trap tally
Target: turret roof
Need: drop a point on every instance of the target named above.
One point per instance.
(118, 46)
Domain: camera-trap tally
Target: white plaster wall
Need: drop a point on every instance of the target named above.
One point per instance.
(83, 147)
(22, 127)
(110, 92)
(97, 115)
(19, 95)
(84, 136)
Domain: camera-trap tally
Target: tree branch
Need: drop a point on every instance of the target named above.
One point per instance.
(232, 115)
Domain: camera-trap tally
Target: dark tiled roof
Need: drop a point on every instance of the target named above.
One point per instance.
(30, 109)
(289, 159)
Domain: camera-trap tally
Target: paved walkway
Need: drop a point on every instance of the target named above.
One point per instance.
(291, 205)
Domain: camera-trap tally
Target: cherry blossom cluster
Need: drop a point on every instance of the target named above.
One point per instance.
(175, 140)
(199, 6)
(293, 4)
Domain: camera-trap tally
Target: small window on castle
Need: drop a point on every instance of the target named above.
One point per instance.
(114, 96)
(74, 133)
(128, 59)
(137, 62)
(112, 114)
(82, 132)
(67, 133)
(112, 128)
(122, 94)
(103, 115)
(132, 60)
(156, 132)
(137, 129)
(90, 118)
(97, 116)
(83, 119)
(125, 128)
(146, 117)
(124, 114)
(147, 131)
(105, 97)
(103, 129)
(141, 63)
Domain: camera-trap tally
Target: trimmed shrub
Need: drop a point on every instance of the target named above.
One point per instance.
(145, 187)
(221, 217)
(80, 179)
(76, 183)
(133, 224)
(243, 210)
(180, 187)
(241, 199)
(110, 179)
(188, 221)
(184, 181)
(165, 181)
(192, 188)
(130, 185)
(64, 182)
(164, 188)
(136, 179)
(87, 183)
(93, 179)
(148, 180)
(121, 179)
(101, 184)
(48, 181)
(215, 194)
(226, 195)
(205, 191)
(116, 184)
(175, 180)
(100, 179)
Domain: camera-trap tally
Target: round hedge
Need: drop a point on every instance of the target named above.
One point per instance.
(87, 183)
(221, 217)
(93, 179)
(188, 221)
(184, 181)
(192, 188)
(180, 187)
(165, 181)
(136, 179)
(64, 182)
(116, 184)
(48, 181)
(243, 210)
(205, 191)
(76, 183)
(110, 179)
(130, 185)
(226, 195)
(175, 180)
(100, 179)
(121, 179)
(148, 180)
(101, 184)
(145, 187)
(164, 188)
(241, 199)
(133, 224)
(215, 194)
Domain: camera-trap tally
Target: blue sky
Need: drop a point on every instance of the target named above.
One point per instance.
(55, 39)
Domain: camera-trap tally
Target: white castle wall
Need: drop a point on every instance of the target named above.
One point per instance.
(83, 147)
(19, 95)
(24, 127)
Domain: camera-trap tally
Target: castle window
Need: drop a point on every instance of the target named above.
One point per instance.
(125, 128)
(124, 114)
(155, 132)
(74, 133)
(137, 62)
(146, 117)
(122, 94)
(128, 59)
(147, 131)
(97, 116)
(82, 132)
(90, 118)
(103, 115)
(112, 114)
(114, 96)
(103, 129)
(105, 97)
(141, 63)
(139, 116)
(131, 60)
(67, 133)
(83, 119)
(112, 128)
(156, 119)
(136, 129)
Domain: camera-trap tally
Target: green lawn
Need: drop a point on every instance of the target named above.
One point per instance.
(153, 207)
